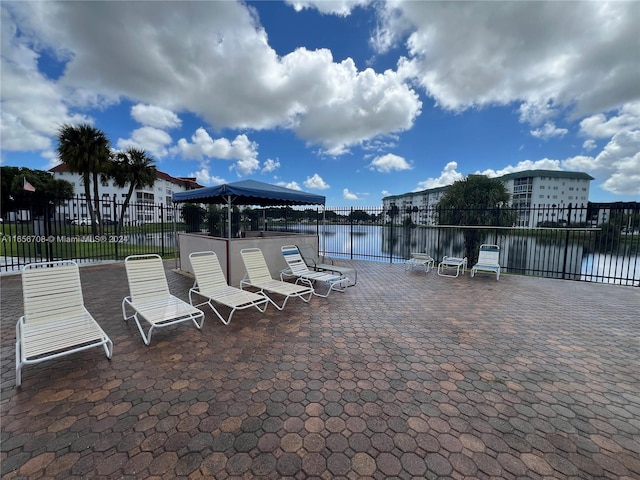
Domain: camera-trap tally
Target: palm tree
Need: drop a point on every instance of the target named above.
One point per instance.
(134, 168)
(86, 150)
(475, 200)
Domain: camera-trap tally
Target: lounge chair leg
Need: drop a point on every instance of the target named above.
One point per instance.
(18, 359)
(108, 348)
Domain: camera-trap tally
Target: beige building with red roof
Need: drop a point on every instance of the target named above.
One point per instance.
(158, 195)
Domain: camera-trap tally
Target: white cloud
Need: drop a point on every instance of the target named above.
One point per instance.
(580, 163)
(155, 116)
(337, 7)
(243, 151)
(270, 165)
(345, 107)
(543, 164)
(549, 130)
(599, 126)
(535, 113)
(209, 58)
(33, 106)
(203, 177)
(447, 176)
(347, 195)
(523, 52)
(388, 163)
(618, 164)
(152, 140)
(291, 185)
(589, 145)
(316, 182)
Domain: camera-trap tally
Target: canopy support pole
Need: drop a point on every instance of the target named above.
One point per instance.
(175, 237)
(228, 237)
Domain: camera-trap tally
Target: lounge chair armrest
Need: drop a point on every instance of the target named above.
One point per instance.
(326, 259)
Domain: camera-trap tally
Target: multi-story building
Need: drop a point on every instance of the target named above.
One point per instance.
(145, 201)
(536, 194)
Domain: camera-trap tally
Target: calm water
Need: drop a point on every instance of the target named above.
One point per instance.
(519, 254)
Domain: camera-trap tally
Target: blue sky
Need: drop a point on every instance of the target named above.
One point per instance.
(353, 100)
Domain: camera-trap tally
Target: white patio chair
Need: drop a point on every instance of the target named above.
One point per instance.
(326, 264)
(258, 276)
(211, 284)
(488, 259)
(150, 298)
(445, 267)
(298, 268)
(55, 321)
(420, 260)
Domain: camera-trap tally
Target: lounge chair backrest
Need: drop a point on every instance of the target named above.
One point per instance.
(207, 270)
(294, 260)
(147, 280)
(52, 292)
(489, 255)
(256, 266)
(309, 255)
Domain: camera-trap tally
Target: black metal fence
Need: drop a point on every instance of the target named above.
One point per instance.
(596, 243)
(45, 232)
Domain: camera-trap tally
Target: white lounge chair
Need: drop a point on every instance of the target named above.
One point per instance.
(55, 321)
(488, 259)
(150, 298)
(459, 264)
(258, 276)
(326, 264)
(420, 260)
(211, 284)
(298, 268)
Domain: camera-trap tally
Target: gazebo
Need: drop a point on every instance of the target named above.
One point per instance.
(245, 192)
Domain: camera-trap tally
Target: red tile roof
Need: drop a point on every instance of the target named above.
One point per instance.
(187, 182)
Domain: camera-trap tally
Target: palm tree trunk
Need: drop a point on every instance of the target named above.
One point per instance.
(87, 193)
(125, 205)
(97, 223)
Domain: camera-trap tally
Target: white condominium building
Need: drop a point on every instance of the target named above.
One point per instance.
(532, 191)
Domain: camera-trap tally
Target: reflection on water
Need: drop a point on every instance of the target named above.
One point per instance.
(528, 255)
(600, 267)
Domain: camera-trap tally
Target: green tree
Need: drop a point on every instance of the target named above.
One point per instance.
(86, 150)
(193, 215)
(359, 216)
(49, 190)
(134, 168)
(472, 201)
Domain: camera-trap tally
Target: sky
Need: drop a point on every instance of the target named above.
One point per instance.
(353, 100)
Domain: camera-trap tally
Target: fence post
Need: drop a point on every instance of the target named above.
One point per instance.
(162, 228)
(117, 228)
(566, 243)
(47, 230)
(392, 217)
(351, 233)
(438, 217)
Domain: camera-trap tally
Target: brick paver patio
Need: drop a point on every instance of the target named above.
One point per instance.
(406, 375)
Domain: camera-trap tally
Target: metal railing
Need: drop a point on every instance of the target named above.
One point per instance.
(46, 232)
(596, 243)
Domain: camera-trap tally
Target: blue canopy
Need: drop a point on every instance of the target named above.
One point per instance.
(248, 192)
